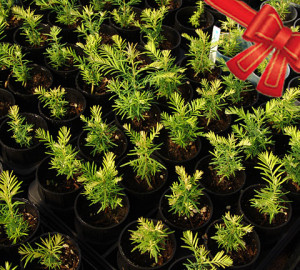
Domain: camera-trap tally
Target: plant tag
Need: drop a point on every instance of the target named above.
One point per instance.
(214, 43)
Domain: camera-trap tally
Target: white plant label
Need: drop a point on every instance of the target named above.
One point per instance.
(214, 43)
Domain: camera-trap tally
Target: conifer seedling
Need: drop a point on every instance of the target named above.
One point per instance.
(8, 266)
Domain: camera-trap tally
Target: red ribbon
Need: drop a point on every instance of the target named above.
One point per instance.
(266, 30)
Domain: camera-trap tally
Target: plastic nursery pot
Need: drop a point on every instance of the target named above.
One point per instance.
(100, 95)
(132, 33)
(32, 53)
(85, 151)
(182, 24)
(174, 155)
(170, 16)
(268, 232)
(7, 99)
(179, 224)
(70, 255)
(129, 260)
(179, 263)
(224, 193)
(23, 160)
(244, 259)
(142, 197)
(100, 229)
(9, 252)
(77, 105)
(290, 17)
(172, 40)
(60, 197)
(65, 76)
(27, 101)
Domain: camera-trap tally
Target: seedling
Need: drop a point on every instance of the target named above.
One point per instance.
(292, 159)
(227, 158)
(13, 222)
(252, 126)
(57, 52)
(284, 111)
(202, 259)
(124, 15)
(198, 53)
(6, 10)
(282, 7)
(215, 99)
(30, 26)
(182, 124)
(150, 238)
(269, 200)
(8, 266)
(101, 185)
(100, 135)
(20, 128)
(186, 193)
(99, 5)
(197, 17)
(63, 154)
(47, 251)
(231, 232)
(54, 99)
(151, 24)
(145, 166)
(162, 3)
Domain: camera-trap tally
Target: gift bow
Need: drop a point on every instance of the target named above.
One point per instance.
(266, 30)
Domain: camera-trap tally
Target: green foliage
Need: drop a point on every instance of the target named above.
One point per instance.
(201, 255)
(6, 10)
(30, 25)
(292, 159)
(230, 233)
(20, 128)
(99, 5)
(89, 68)
(214, 98)
(268, 200)
(63, 154)
(237, 87)
(8, 266)
(101, 186)
(227, 158)
(186, 193)
(57, 52)
(252, 126)
(13, 58)
(54, 99)
(281, 6)
(166, 77)
(284, 111)
(195, 19)
(151, 24)
(65, 10)
(14, 225)
(150, 238)
(124, 15)
(161, 3)
(182, 124)
(230, 42)
(47, 251)
(91, 21)
(100, 135)
(145, 166)
(198, 53)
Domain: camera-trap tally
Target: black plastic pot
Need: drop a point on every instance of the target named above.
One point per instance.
(9, 252)
(70, 243)
(252, 240)
(100, 235)
(268, 232)
(125, 259)
(58, 201)
(32, 53)
(22, 160)
(24, 96)
(6, 99)
(179, 263)
(74, 123)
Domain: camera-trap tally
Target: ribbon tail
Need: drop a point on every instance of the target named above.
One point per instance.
(272, 80)
(247, 61)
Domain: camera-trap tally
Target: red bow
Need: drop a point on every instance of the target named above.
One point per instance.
(266, 30)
